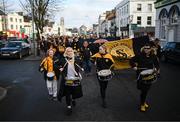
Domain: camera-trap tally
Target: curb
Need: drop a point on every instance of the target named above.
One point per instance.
(33, 58)
(3, 93)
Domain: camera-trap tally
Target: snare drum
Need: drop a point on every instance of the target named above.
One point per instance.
(148, 76)
(104, 75)
(72, 81)
(50, 76)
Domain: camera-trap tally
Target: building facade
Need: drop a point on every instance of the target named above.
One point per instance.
(101, 24)
(2, 21)
(167, 20)
(135, 18)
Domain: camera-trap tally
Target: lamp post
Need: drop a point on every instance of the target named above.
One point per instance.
(5, 22)
(32, 9)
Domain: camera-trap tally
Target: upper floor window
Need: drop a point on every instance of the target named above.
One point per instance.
(12, 27)
(149, 7)
(139, 20)
(20, 20)
(173, 14)
(149, 20)
(139, 7)
(11, 19)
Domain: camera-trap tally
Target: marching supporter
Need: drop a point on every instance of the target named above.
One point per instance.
(86, 55)
(70, 85)
(146, 60)
(103, 61)
(50, 67)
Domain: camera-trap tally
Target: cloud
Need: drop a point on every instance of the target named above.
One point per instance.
(78, 12)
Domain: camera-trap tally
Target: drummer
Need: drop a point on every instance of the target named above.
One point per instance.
(145, 60)
(70, 85)
(51, 64)
(103, 60)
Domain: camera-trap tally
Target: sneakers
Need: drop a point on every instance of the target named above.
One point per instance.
(146, 105)
(143, 108)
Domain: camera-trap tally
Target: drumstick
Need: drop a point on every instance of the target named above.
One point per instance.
(80, 67)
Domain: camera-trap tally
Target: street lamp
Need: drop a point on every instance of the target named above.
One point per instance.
(32, 9)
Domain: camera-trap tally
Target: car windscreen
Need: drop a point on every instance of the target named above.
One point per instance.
(13, 44)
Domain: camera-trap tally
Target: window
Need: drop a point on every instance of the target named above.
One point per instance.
(16, 19)
(20, 26)
(11, 19)
(173, 16)
(20, 20)
(149, 7)
(11, 26)
(139, 20)
(138, 7)
(163, 22)
(16, 27)
(149, 20)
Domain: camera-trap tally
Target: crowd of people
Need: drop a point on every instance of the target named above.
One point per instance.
(68, 56)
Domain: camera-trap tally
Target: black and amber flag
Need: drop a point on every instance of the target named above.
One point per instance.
(123, 50)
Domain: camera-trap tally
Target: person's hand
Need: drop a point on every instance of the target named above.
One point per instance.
(61, 69)
(135, 68)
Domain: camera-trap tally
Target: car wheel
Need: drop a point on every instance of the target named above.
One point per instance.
(163, 58)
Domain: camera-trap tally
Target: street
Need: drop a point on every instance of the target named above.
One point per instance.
(27, 97)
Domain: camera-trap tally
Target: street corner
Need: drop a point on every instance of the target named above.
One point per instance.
(3, 93)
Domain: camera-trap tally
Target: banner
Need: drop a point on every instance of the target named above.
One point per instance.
(123, 50)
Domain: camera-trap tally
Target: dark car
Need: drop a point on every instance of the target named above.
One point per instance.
(2, 43)
(16, 49)
(171, 51)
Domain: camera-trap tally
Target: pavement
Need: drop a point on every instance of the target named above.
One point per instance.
(33, 58)
(3, 93)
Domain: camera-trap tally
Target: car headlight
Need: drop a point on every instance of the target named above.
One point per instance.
(14, 52)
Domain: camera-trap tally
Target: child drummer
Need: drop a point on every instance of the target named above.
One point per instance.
(50, 65)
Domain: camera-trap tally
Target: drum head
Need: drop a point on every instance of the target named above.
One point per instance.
(104, 72)
(72, 78)
(147, 72)
(50, 74)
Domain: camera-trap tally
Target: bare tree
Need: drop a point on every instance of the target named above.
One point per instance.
(41, 10)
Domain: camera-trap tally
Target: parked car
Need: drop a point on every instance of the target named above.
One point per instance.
(2, 43)
(16, 49)
(171, 51)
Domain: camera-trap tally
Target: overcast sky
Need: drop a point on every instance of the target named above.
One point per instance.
(79, 12)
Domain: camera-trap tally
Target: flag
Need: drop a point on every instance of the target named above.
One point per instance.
(123, 50)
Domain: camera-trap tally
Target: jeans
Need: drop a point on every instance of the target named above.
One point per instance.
(87, 66)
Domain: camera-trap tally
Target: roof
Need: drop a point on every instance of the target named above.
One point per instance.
(1, 12)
